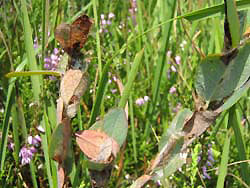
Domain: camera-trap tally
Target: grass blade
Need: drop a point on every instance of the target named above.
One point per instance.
(30, 50)
(240, 143)
(224, 161)
(131, 78)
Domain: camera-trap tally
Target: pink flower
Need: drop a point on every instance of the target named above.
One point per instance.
(173, 68)
(172, 90)
(139, 102)
(26, 154)
(11, 146)
(169, 53)
(178, 60)
(111, 15)
(34, 140)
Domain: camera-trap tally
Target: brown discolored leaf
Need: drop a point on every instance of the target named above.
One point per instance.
(141, 181)
(60, 176)
(73, 86)
(97, 146)
(59, 110)
(73, 36)
(60, 142)
(197, 124)
(247, 33)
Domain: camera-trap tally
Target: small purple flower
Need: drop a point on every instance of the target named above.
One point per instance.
(198, 159)
(113, 91)
(109, 22)
(178, 60)
(111, 15)
(46, 66)
(11, 146)
(35, 43)
(34, 140)
(26, 155)
(139, 101)
(102, 16)
(47, 60)
(209, 164)
(172, 90)
(169, 53)
(56, 51)
(177, 108)
(103, 22)
(205, 174)
(173, 68)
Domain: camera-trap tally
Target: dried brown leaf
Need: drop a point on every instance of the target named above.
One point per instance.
(97, 146)
(141, 181)
(73, 37)
(73, 85)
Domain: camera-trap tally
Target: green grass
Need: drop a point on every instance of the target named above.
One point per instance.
(134, 51)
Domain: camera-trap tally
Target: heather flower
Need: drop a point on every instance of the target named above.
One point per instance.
(52, 61)
(172, 90)
(208, 162)
(26, 155)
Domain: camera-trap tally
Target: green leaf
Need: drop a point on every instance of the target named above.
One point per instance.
(235, 97)
(114, 124)
(208, 77)
(213, 11)
(56, 144)
(175, 127)
(30, 50)
(215, 80)
(131, 78)
(175, 161)
(32, 73)
(234, 22)
(235, 122)
(224, 162)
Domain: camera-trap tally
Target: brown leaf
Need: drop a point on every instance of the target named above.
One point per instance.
(60, 176)
(59, 110)
(73, 37)
(97, 146)
(141, 181)
(197, 124)
(73, 86)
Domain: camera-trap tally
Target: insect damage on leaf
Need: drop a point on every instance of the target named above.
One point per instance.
(73, 36)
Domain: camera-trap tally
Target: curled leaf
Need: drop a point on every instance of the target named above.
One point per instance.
(97, 146)
(73, 36)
